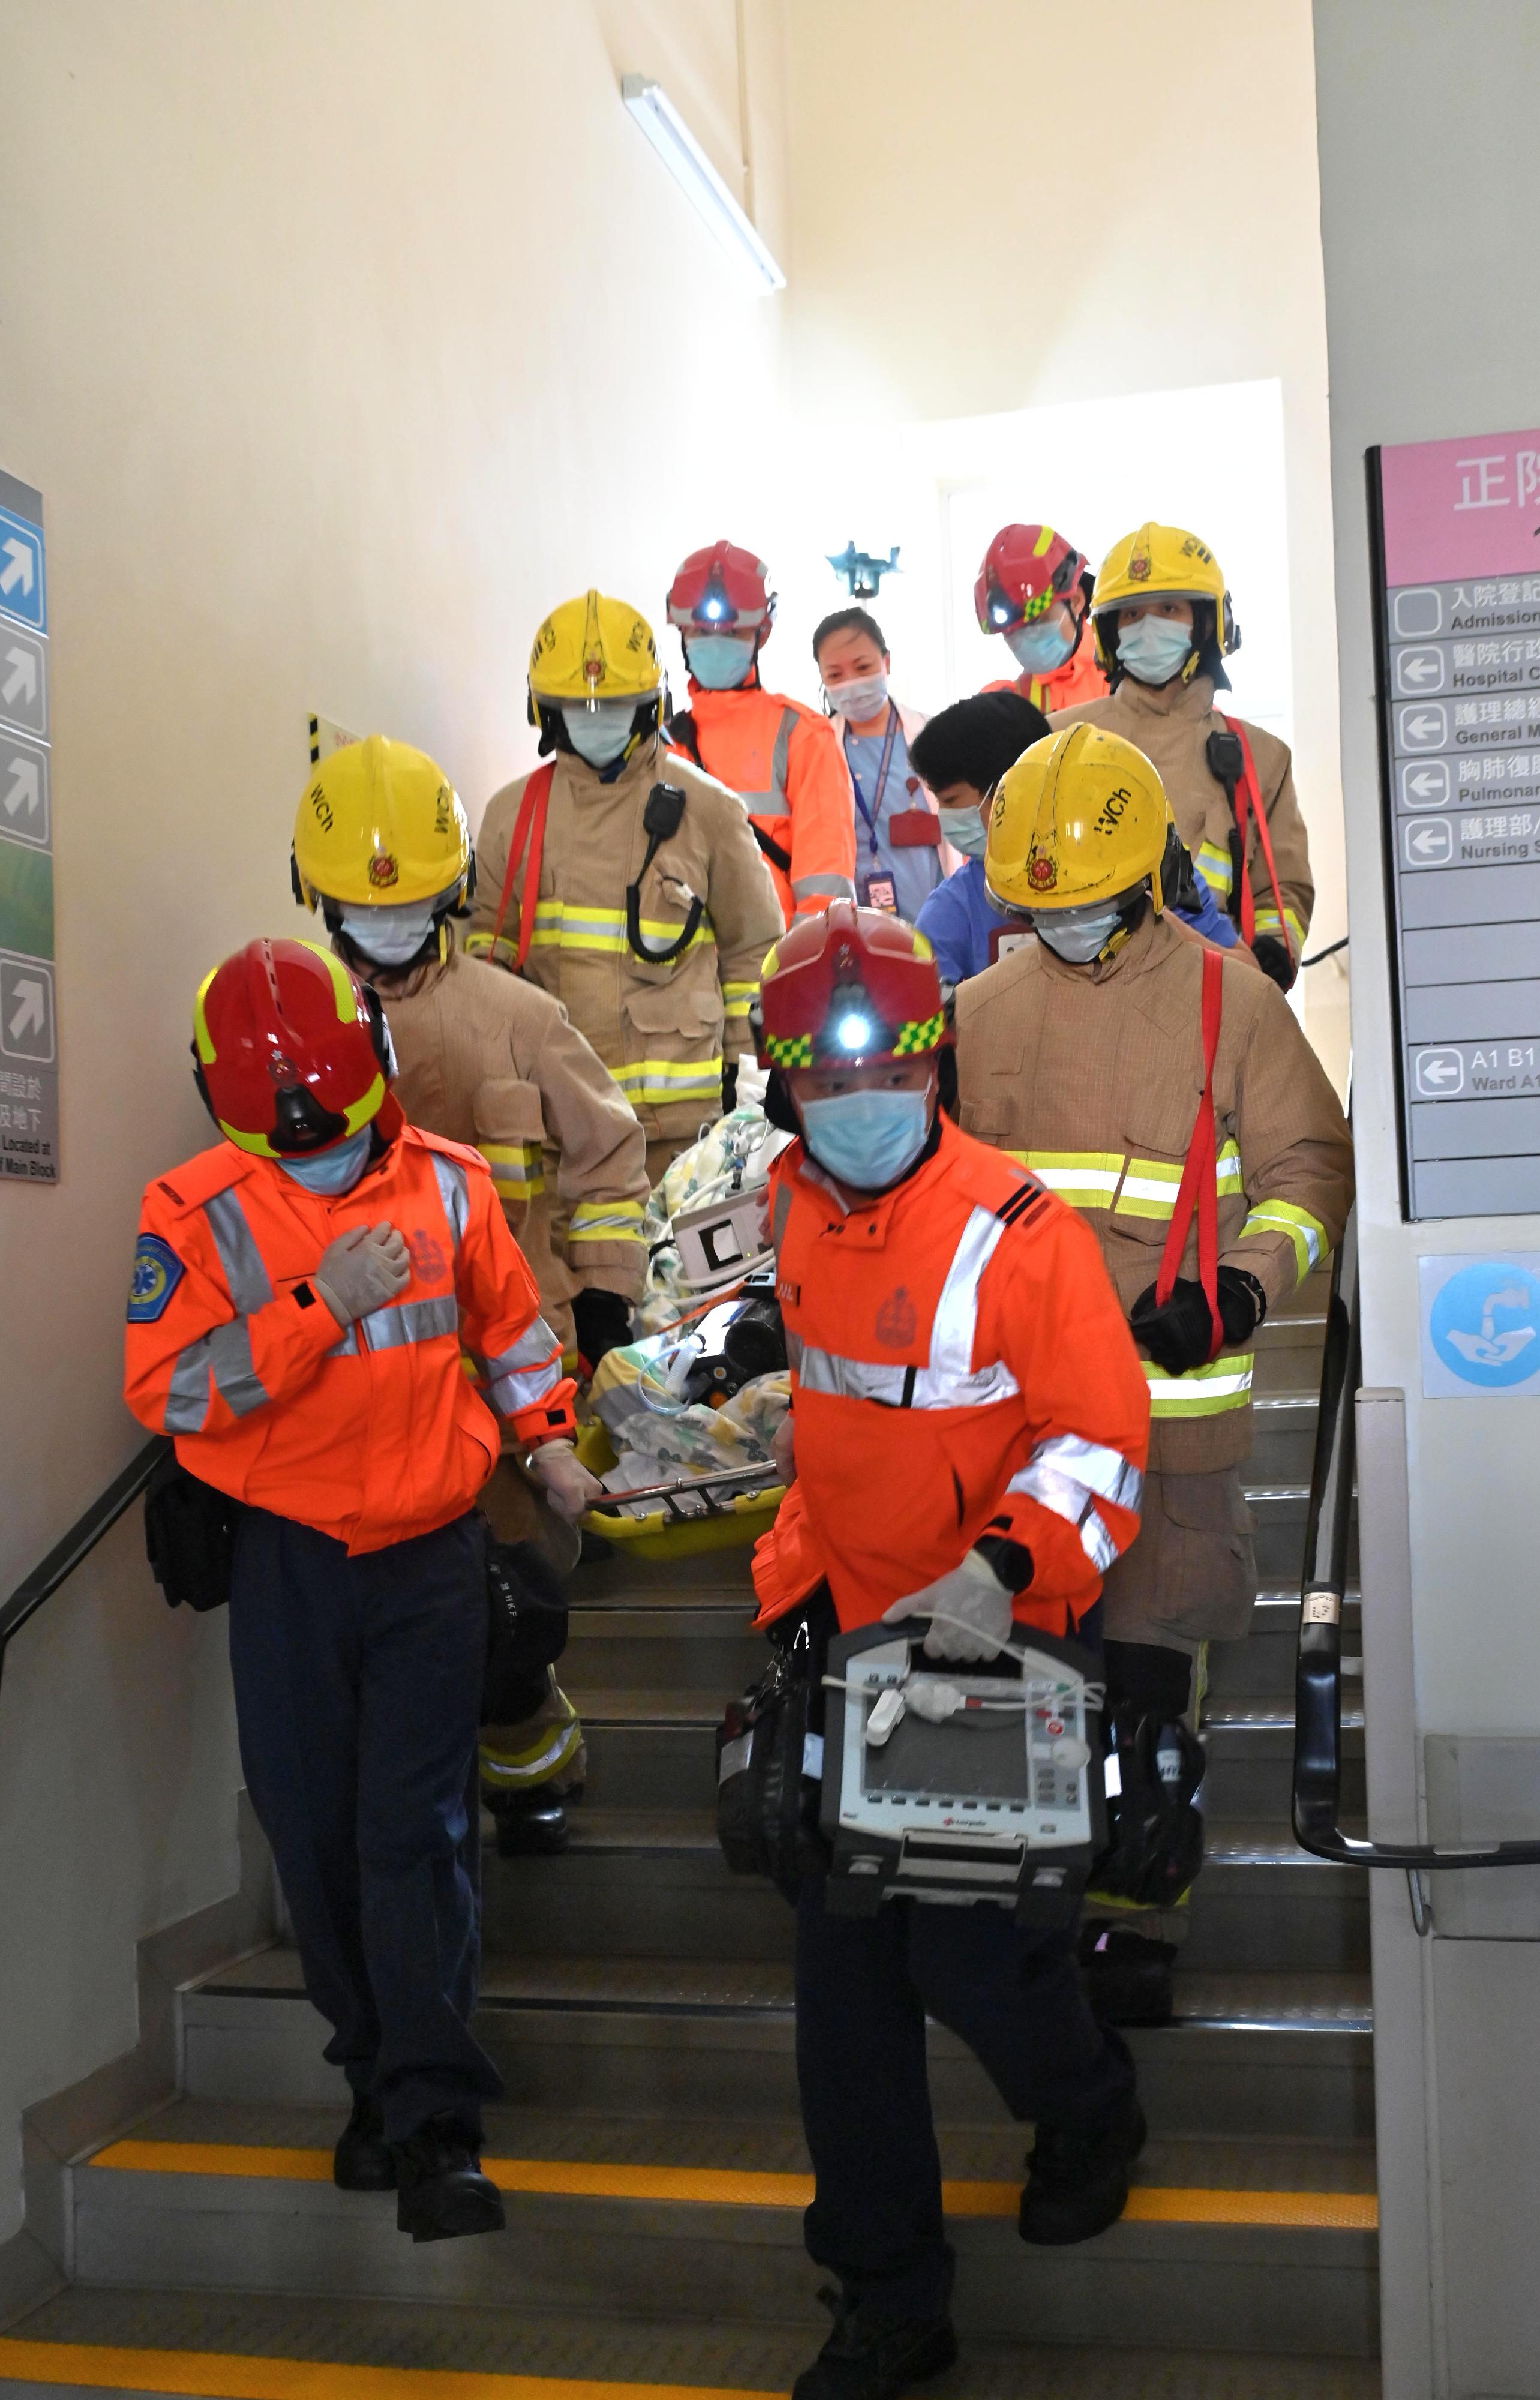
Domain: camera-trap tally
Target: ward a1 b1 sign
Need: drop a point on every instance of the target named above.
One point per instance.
(1456, 532)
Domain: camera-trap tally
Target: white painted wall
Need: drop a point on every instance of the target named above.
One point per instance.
(342, 338)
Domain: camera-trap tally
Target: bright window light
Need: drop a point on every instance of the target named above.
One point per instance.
(694, 171)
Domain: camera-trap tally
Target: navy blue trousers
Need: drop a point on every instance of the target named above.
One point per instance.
(357, 1690)
(865, 1986)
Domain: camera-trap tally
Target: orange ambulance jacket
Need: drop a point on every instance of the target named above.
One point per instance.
(960, 1366)
(370, 1435)
(786, 764)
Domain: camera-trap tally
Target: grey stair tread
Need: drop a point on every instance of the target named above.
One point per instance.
(1240, 1716)
(1270, 1402)
(1302, 2002)
(635, 1707)
(1271, 1495)
(970, 2153)
(743, 2357)
(1238, 1841)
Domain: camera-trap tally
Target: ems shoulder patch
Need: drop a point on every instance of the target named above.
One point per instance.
(156, 1273)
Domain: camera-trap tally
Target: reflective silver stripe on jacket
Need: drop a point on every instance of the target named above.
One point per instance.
(948, 1381)
(779, 770)
(226, 1354)
(816, 887)
(1069, 1475)
(415, 1320)
(450, 1178)
(239, 1255)
(522, 1377)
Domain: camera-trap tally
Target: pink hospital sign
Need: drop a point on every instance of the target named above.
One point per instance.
(1462, 508)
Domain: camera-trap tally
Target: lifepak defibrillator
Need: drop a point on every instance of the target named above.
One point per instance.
(956, 1785)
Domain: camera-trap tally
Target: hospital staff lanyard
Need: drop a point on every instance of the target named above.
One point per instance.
(1200, 1171)
(529, 827)
(870, 815)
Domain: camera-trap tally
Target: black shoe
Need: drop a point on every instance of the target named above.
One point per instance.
(532, 1825)
(861, 2361)
(1077, 2182)
(1129, 1978)
(440, 2191)
(363, 2160)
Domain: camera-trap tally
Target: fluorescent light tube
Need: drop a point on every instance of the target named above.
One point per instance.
(698, 179)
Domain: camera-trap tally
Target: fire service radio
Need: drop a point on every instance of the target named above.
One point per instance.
(957, 1784)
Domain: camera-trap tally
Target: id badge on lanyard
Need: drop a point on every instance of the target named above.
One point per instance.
(875, 888)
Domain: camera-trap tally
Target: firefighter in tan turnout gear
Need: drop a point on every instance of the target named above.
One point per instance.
(652, 907)
(1164, 628)
(382, 848)
(1164, 1089)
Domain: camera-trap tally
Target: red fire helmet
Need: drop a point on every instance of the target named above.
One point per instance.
(722, 590)
(1025, 569)
(291, 1051)
(850, 987)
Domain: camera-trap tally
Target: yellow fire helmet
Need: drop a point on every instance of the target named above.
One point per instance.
(1160, 562)
(594, 649)
(1082, 817)
(379, 824)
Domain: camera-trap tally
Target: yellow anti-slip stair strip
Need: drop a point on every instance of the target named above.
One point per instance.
(727, 2186)
(222, 2377)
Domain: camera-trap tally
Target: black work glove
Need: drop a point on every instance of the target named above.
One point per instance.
(729, 1086)
(1275, 960)
(1178, 1336)
(601, 1321)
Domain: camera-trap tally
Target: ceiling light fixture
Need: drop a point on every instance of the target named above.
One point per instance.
(698, 179)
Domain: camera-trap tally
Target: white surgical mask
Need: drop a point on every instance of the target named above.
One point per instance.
(333, 1171)
(868, 1140)
(858, 703)
(719, 661)
(390, 936)
(1153, 650)
(1074, 938)
(966, 830)
(1038, 649)
(600, 735)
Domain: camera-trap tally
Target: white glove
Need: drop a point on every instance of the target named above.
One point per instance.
(566, 1484)
(975, 1595)
(362, 1270)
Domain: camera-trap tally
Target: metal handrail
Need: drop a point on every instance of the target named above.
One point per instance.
(1318, 1674)
(79, 1542)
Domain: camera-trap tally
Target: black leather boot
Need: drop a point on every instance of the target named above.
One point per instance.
(441, 2192)
(1077, 2180)
(363, 2160)
(865, 2359)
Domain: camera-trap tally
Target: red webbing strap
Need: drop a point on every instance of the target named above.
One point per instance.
(1249, 797)
(1200, 1171)
(530, 826)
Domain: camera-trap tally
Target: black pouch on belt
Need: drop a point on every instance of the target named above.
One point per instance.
(770, 1757)
(526, 1627)
(190, 1536)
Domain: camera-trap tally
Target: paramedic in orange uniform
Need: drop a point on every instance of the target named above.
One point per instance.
(1034, 589)
(970, 1426)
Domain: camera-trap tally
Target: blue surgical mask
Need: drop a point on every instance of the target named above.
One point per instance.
(966, 830)
(719, 661)
(1074, 938)
(858, 703)
(600, 735)
(333, 1171)
(867, 1138)
(1038, 649)
(1153, 650)
(390, 936)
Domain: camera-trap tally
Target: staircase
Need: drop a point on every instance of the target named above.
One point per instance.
(638, 2000)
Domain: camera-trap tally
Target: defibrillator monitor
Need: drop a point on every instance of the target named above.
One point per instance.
(955, 1783)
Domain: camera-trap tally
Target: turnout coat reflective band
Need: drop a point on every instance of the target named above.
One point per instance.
(1092, 1078)
(1172, 726)
(661, 1030)
(786, 764)
(490, 1060)
(959, 1365)
(373, 1434)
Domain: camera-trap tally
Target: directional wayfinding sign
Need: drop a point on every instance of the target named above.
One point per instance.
(28, 1038)
(1456, 526)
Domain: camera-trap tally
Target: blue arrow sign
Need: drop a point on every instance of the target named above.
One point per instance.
(23, 591)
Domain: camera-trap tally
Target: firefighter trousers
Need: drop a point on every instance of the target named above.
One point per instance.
(865, 1986)
(357, 1688)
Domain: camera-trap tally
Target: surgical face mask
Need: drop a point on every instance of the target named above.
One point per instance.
(1074, 936)
(600, 735)
(390, 936)
(1153, 650)
(1038, 649)
(867, 1138)
(333, 1171)
(719, 661)
(966, 830)
(856, 702)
